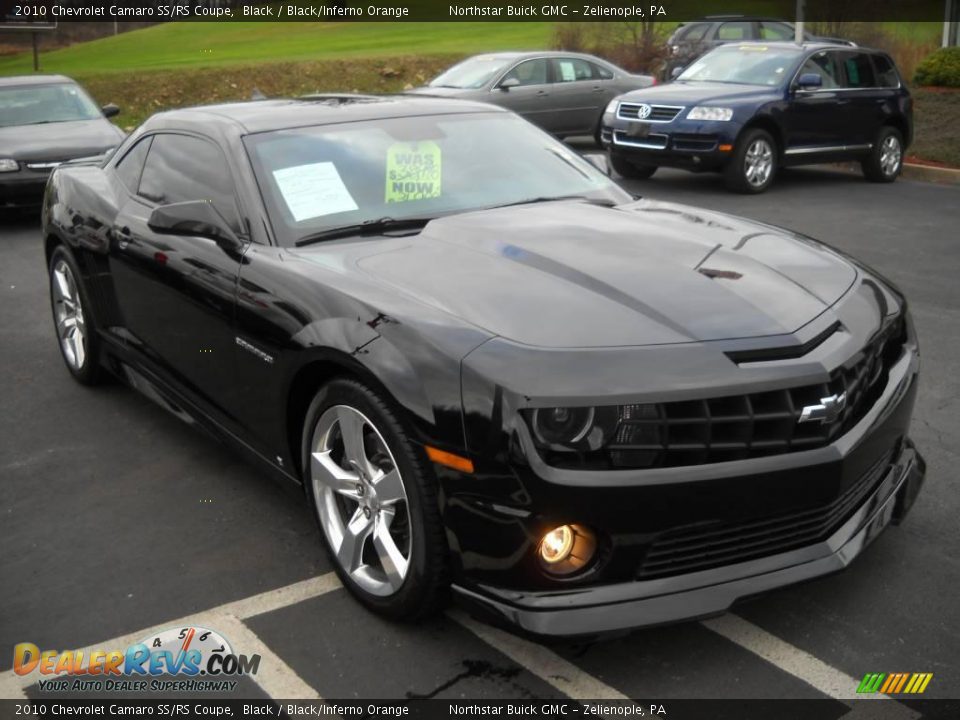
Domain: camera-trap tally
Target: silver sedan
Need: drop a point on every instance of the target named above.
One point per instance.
(564, 93)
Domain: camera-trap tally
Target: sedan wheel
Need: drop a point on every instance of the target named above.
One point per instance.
(75, 328)
(361, 500)
(374, 495)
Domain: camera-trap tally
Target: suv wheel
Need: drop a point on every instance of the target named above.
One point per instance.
(628, 169)
(754, 163)
(375, 499)
(886, 158)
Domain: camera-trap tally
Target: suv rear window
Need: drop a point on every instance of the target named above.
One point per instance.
(693, 33)
(859, 71)
(735, 31)
(886, 72)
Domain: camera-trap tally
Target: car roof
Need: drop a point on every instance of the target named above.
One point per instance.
(529, 54)
(787, 44)
(34, 80)
(322, 109)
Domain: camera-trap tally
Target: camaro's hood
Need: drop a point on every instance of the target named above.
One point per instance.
(689, 94)
(58, 141)
(571, 274)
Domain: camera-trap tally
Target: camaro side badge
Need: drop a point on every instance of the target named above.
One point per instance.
(261, 354)
(827, 411)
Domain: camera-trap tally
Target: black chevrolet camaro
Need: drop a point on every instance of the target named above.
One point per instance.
(492, 370)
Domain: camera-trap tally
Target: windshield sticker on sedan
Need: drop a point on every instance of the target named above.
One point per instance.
(413, 171)
(313, 190)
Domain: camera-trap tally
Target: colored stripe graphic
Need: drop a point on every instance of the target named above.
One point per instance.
(895, 683)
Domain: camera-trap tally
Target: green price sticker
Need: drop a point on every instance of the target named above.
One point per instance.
(413, 172)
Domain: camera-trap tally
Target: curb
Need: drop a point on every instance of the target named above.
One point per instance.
(929, 173)
(914, 171)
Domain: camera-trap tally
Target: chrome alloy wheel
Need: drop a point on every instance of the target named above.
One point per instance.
(890, 154)
(68, 313)
(361, 500)
(758, 162)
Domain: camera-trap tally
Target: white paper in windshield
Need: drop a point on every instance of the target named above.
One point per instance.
(313, 190)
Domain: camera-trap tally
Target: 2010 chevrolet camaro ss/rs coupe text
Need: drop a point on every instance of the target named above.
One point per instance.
(491, 369)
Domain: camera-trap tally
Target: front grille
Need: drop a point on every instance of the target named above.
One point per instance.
(658, 113)
(710, 545)
(738, 427)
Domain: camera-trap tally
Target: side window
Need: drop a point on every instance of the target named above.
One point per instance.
(131, 165)
(824, 65)
(181, 168)
(600, 72)
(735, 31)
(571, 70)
(695, 33)
(530, 72)
(859, 71)
(886, 72)
(776, 31)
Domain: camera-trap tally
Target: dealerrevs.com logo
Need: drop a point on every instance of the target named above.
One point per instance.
(187, 659)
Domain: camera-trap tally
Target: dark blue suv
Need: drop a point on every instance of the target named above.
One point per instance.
(750, 108)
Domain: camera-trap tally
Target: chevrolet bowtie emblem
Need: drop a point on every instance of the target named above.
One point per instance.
(829, 409)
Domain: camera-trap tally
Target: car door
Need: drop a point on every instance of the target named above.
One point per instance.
(531, 96)
(578, 94)
(867, 99)
(176, 293)
(815, 121)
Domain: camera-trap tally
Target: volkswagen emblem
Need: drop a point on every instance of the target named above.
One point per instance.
(827, 411)
(643, 111)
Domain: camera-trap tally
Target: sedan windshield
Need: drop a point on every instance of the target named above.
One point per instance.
(744, 65)
(34, 104)
(317, 179)
(472, 73)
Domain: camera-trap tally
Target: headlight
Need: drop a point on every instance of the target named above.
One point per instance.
(611, 107)
(9, 165)
(573, 428)
(703, 112)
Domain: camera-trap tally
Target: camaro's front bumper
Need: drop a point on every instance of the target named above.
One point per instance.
(633, 511)
(613, 608)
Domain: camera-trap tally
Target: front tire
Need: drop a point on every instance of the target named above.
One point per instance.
(375, 499)
(73, 320)
(627, 169)
(754, 163)
(886, 158)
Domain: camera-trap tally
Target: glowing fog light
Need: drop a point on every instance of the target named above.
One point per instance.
(557, 545)
(566, 550)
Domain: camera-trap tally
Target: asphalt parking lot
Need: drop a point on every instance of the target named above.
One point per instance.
(116, 517)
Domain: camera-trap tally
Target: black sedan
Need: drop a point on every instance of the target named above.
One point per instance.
(490, 369)
(44, 121)
(748, 109)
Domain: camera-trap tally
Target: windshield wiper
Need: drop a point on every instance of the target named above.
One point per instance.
(602, 202)
(367, 227)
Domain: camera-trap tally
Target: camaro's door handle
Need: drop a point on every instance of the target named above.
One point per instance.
(598, 89)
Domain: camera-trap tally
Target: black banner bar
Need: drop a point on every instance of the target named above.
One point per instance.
(19, 12)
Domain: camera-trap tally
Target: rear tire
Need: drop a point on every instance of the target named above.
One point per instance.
(885, 161)
(73, 319)
(627, 169)
(375, 499)
(754, 163)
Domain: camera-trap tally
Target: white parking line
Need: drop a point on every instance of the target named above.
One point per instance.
(799, 663)
(232, 613)
(545, 664)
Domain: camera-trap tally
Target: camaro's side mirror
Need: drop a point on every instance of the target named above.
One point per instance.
(194, 217)
(809, 81)
(110, 110)
(675, 73)
(508, 83)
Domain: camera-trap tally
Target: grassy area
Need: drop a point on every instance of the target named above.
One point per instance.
(207, 44)
(937, 134)
(140, 94)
